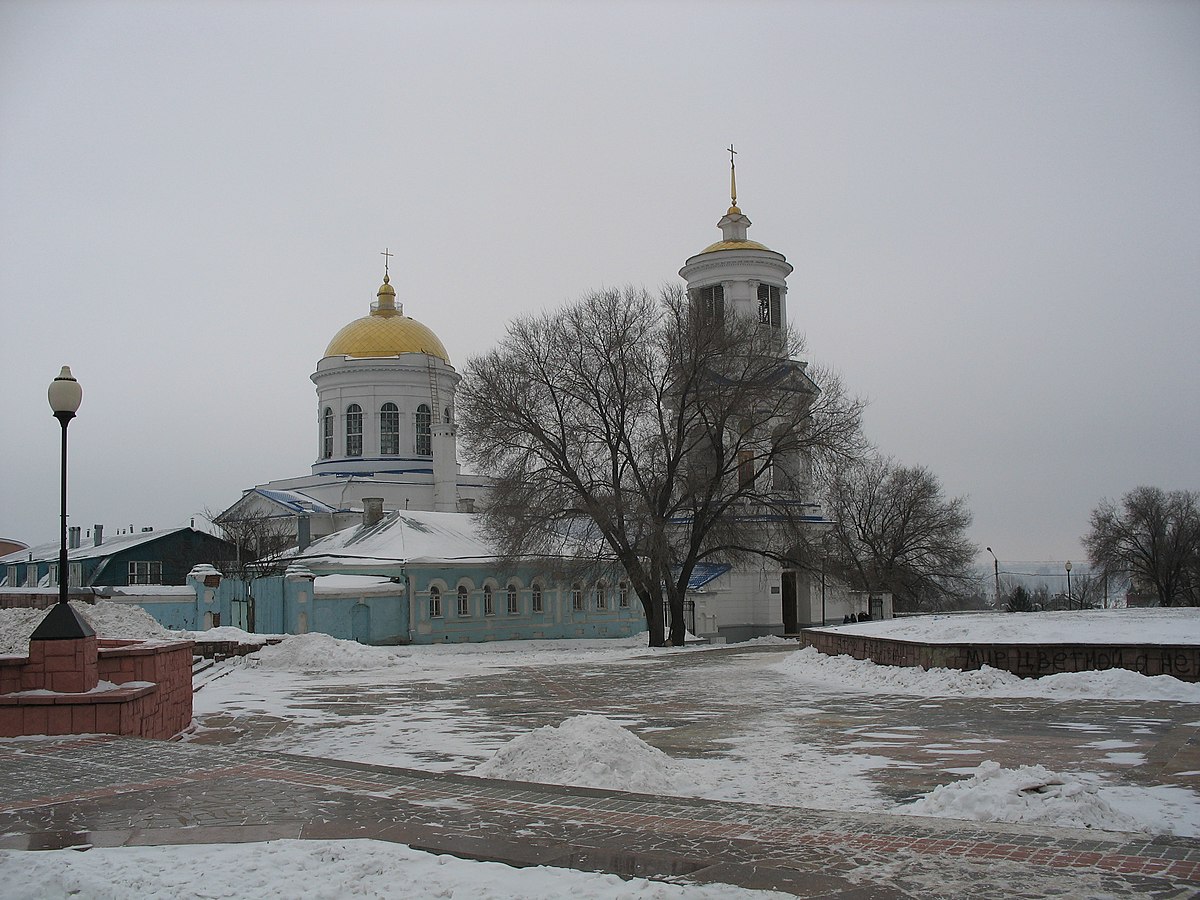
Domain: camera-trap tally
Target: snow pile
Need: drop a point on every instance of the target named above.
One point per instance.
(319, 653)
(108, 620)
(315, 870)
(1171, 625)
(845, 672)
(588, 751)
(1029, 794)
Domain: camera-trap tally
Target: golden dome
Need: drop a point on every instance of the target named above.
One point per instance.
(385, 332)
(734, 245)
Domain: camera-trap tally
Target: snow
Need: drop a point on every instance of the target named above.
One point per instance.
(316, 653)
(810, 665)
(314, 870)
(229, 633)
(588, 751)
(108, 620)
(1173, 625)
(355, 584)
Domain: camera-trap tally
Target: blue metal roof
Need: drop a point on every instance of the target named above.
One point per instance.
(703, 573)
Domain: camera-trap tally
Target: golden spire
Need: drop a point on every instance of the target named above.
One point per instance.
(386, 305)
(733, 208)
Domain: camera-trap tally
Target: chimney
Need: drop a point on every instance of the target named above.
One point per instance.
(73, 537)
(372, 510)
(97, 535)
(303, 532)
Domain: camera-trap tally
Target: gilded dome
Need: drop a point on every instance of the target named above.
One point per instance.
(734, 245)
(385, 332)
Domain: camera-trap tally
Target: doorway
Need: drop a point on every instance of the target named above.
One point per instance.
(791, 611)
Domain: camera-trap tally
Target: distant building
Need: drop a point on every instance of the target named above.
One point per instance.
(142, 558)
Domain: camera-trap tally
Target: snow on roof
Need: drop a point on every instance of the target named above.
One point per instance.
(410, 536)
(296, 501)
(112, 544)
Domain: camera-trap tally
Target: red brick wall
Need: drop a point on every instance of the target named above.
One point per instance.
(158, 710)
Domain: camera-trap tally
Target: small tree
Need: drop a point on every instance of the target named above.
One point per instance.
(645, 432)
(260, 541)
(1019, 600)
(894, 531)
(1154, 538)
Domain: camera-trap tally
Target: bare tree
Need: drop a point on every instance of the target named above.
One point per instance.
(632, 429)
(894, 531)
(1154, 538)
(260, 541)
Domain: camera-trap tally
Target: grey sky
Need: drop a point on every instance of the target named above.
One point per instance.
(993, 211)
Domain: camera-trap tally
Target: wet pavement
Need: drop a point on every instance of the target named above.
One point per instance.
(235, 783)
(107, 792)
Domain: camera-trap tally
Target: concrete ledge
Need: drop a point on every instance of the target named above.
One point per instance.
(1180, 661)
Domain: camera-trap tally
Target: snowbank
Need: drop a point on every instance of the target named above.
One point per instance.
(1174, 625)
(108, 620)
(847, 673)
(587, 751)
(319, 653)
(315, 870)
(1029, 794)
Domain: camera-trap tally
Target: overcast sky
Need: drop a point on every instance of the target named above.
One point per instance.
(993, 210)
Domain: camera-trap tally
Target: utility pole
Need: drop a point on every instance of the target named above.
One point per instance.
(996, 570)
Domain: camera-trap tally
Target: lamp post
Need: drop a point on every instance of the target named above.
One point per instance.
(63, 622)
(64, 395)
(996, 569)
(1070, 601)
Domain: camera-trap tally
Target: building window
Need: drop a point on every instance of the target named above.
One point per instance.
(489, 602)
(327, 433)
(354, 430)
(424, 431)
(535, 598)
(601, 596)
(389, 429)
(746, 466)
(435, 603)
(12, 577)
(623, 595)
(144, 573)
(52, 575)
(770, 306)
(447, 417)
(464, 601)
(576, 597)
(513, 605)
(710, 303)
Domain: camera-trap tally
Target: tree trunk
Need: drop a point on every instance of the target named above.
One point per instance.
(654, 621)
(678, 629)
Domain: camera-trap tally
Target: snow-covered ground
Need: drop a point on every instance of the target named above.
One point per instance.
(771, 725)
(314, 870)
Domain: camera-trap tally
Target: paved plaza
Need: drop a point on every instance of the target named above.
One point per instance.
(234, 784)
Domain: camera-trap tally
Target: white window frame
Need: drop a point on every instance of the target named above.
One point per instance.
(464, 601)
(435, 603)
(152, 574)
(535, 599)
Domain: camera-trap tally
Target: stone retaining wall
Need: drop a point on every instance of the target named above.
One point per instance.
(1180, 661)
(153, 698)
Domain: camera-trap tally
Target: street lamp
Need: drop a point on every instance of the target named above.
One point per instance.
(996, 569)
(63, 622)
(1070, 602)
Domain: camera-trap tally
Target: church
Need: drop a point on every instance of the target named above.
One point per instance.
(386, 462)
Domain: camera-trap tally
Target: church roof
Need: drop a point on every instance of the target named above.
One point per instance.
(407, 537)
(385, 332)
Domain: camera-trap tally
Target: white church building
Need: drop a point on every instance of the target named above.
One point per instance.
(385, 436)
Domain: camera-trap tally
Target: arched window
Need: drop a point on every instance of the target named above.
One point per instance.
(424, 431)
(576, 597)
(535, 598)
(770, 305)
(489, 602)
(623, 595)
(354, 430)
(389, 429)
(464, 601)
(327, 433)
(601, 595)
(447, 417)
(513, 604)
(435, 603)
